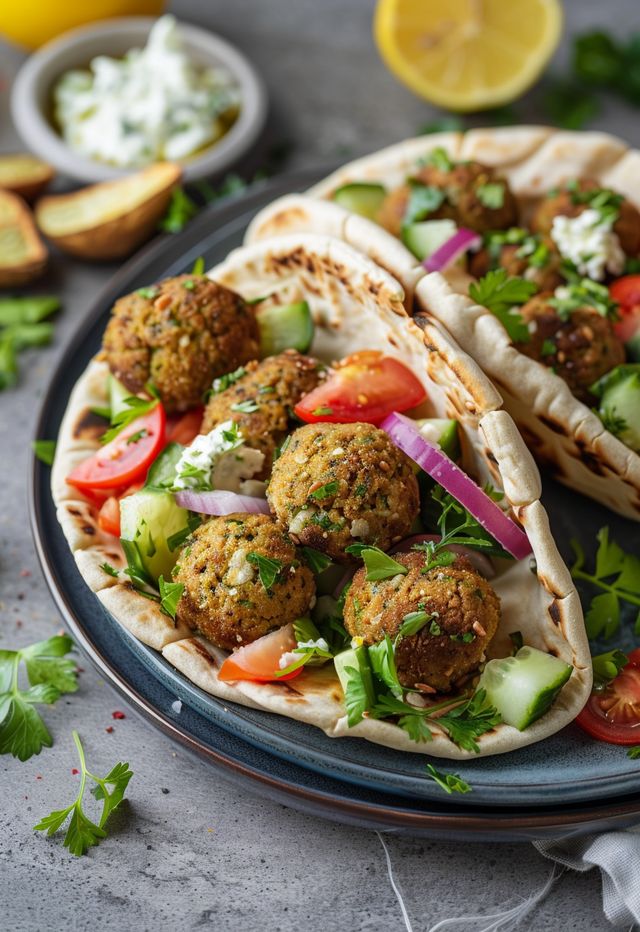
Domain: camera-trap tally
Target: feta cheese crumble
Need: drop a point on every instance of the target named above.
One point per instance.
(589, 242)
(218, 460)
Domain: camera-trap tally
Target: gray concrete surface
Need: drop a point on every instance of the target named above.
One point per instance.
(189, 850)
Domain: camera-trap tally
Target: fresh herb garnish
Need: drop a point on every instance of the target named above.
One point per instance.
(607, 666)
(423, 201)
(444, 124)
(177, 540)
(222, 383)
(110, 570)
(468, 721)
(316, 560)
(312, 647)
(548, 348)
(500, 294)
(616, 573)
(268, 569)
(328, 490)
(50, 674)
(491, 195)
(249, 406)
(585, 293)
(611, 421)
(170, 594)
(450, 782)
(379, 564)
(149, 293)
(438, 158)
(457, 526)
(135, 408)
(412, 623)
(198, 266)
(322, 410)
(21, 327)
(139, 435)
(180, 211)
(82, 833)
(634, 752)
(569, 104)
(45, 450)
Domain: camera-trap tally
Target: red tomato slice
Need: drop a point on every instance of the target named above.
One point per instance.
(366, 386)
(126, 458)
(186, 428)
(626, 291)
(613, 714)
(260, 660)
(109, 514)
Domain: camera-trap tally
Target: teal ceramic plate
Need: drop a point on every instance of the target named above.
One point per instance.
(566, 769)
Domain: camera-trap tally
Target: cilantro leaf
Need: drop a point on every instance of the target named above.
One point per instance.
(383, 663)
(223, 382)
(500, 293)
(46, 663)
(423, 201)
(44, 450)
(82, 833)
(170, 594)
(603, 616)
(268, 569)
(468, 721)
(379, 564)
(411, 719)
(456, 526)
(616, 574)
(450, 782)
(110, 570)
(583, 293)
(491, 194)
(249, 406)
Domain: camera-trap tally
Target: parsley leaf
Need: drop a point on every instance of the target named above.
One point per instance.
(82, 833)
(49, 673)
(491, 195)
(617, 574)
(569, 104)
(180, 211)
(634, 752)
(322, 410)
(439, 158)
(249, 406)
(222, 383)
(468, 721)
(611, 421)
(583, 293)
(378, 563)
(170, 594)
(412, 623)
(411, 719)
(499, 293)
(44, 450)
(328, 490)
(135, 408)
(450, 782)
(548, 348)
(457, 526)
(110, 570)
(383, 664)
(423, 201)
(268, 569)
(148, 292)
(607, 666)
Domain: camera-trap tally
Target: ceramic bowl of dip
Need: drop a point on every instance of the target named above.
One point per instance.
(31, 95)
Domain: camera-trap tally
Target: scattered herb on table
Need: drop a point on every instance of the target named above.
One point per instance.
(23, 325)
(617, 574)
(81, 832)
(49, 674)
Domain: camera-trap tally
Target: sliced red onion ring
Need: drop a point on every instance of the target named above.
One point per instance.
(477, 559)
(437, 464)
(445, 255)
(219, 502)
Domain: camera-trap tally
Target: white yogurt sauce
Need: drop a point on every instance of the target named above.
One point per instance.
(219, 459)
(589, 242)
(151, 105)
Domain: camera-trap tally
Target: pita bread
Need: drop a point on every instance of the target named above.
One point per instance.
(564, 434)
(355, 305)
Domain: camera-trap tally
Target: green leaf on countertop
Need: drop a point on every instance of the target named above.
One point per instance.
(27, 310)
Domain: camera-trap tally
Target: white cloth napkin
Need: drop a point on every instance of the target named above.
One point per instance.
(617, 854)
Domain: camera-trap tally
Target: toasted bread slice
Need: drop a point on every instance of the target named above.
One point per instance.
(24, 174)
(108, 220)
(23, 255)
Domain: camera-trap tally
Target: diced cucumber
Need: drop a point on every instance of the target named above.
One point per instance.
(286, 326)
(356, 659)
(442, 431)
(362, 198)
(619, 393)
(147, 519)
(425, 237)
(522, 688)
(162, 472)
(117, 394)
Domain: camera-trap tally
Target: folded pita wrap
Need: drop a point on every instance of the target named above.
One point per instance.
(356, 305)
(562, 432)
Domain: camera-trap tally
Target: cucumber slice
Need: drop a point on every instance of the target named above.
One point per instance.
(162, 472)
(522, 688)
(117, 395)
(287, 326)
(356, 659)
(442, 431)
(147, 519)
(425, 237)
(362, 198)
(620, 402)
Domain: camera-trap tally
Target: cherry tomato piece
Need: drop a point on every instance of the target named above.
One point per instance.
(260, 661)
(613, 713)
(124, 459)
(366, 386)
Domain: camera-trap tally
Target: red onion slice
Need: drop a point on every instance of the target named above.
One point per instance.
(220, 502)
(462, 241)
(479, 560)
(437, 464)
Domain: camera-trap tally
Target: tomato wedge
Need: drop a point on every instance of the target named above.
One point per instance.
(613, 714)
(126, 458)
(186, 428)
(626, 291)
(366, 386)
(260, 661)
(109, 514)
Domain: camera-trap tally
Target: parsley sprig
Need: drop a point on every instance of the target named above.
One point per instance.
(379, 564)
(617, 574)
(135, 408)
(501, 294)
(457, 526)
(50, 674)
(581, 294)
(268, 569)
(81, 832)
(312, 647)
(449, 782)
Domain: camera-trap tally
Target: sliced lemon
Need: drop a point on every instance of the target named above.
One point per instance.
(467, 54)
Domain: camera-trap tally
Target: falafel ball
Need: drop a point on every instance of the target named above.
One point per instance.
(180, 335)
(225, 596)
(468, 199)
(572, 201)
(340, 484)
(581, 349)
(464, 614)
(272, 387)
(516, 259)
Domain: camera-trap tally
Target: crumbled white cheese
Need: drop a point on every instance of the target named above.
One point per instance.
(240, 571)
(152, 104)
(589, 242)
(217, 460)
(359, 528)
(338, 451)
(287, 659)
(299, 522)
(320, 644)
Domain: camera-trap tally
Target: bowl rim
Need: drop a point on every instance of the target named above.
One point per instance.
(40, 137)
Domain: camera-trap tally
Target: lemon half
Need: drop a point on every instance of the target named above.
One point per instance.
(467, 54)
